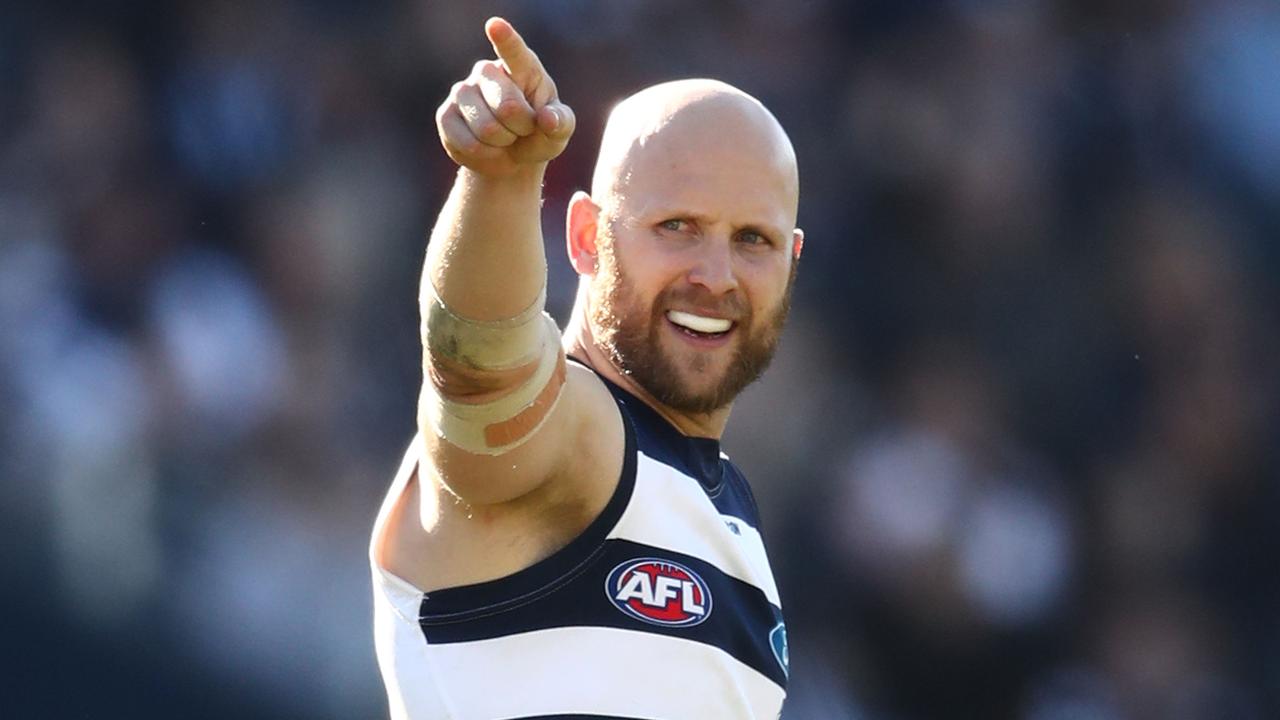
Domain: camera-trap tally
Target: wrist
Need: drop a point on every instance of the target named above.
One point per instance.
(519, 177)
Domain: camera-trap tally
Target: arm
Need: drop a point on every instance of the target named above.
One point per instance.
(490, 412)
(501, 125)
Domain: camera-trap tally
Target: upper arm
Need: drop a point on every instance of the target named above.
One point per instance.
(580, 436)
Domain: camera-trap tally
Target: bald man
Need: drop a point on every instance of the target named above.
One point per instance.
(564, 537)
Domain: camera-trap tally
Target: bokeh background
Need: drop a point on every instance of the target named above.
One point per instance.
(1017, 457)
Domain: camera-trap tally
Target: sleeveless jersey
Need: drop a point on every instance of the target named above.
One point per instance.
(664, 608)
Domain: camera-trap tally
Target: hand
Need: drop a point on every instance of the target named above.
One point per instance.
(506, 115)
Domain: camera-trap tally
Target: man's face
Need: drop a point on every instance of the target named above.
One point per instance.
(695, 272)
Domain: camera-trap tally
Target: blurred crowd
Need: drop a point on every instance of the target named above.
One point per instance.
(1017, 457)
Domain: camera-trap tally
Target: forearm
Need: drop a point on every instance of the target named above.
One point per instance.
(492, 363)
(485, 259)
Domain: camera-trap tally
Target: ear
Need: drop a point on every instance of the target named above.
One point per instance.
(797, 243)
(580, 233)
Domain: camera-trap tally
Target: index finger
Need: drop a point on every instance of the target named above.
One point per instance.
(521, 62)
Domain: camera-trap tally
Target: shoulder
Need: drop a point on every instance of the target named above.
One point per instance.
(586, 390)
(598, 429)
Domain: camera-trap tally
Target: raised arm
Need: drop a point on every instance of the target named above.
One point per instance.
(490, 411)
(501, 125)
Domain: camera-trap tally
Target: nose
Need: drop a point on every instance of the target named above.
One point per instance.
(714, 269)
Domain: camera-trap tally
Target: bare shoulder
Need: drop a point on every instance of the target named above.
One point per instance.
(596, 456)
(433, 539)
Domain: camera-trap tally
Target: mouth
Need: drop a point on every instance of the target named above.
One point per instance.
(707, 330)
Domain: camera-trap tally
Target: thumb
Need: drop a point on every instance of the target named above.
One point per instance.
(557, 120)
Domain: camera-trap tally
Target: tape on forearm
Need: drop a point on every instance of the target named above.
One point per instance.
(488, 345)
(487, 425)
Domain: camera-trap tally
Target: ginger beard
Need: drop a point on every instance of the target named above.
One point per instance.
(631, 334)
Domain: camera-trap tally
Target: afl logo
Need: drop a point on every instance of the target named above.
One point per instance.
(659, 592)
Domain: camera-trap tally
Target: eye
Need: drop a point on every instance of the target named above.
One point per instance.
(751, 237)
(674, 224)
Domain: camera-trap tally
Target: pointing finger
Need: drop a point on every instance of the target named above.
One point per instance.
(523, 65)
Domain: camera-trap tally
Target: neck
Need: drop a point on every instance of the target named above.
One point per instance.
(580, 343)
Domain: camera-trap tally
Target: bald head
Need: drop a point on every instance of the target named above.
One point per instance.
(699, 121)
(690, 227)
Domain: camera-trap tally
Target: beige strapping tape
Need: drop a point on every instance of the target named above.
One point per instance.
(470, 427)
(487, 345)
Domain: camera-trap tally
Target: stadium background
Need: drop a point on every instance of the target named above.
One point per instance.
(1017, 457)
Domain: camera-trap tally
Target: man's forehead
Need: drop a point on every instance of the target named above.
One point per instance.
(669, 129)
(740, 192)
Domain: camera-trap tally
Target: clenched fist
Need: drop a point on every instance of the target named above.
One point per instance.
(506, 115)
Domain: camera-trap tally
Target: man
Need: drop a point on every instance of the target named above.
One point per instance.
(564, 538)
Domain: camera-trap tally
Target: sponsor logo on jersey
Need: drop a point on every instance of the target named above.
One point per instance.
(659, 591)
(778, 640)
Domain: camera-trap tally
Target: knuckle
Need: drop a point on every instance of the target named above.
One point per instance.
(468, 112)
(465, 146)
(545, 88)
(510, 108)
(488, 129)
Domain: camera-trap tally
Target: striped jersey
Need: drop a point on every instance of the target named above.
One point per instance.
(664, 608)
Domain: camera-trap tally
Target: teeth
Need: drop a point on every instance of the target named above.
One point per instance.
(697, 323)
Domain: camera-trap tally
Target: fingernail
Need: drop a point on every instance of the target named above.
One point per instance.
(555, 118)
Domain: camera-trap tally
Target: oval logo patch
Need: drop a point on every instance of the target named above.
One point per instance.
(659, 591)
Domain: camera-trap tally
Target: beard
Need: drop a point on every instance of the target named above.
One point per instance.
(631, 334)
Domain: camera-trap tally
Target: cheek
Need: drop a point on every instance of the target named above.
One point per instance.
(648, 282)
(627, 296)
(766, 286)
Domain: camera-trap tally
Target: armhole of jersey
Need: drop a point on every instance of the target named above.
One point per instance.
(464, 602)
(402, 594)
